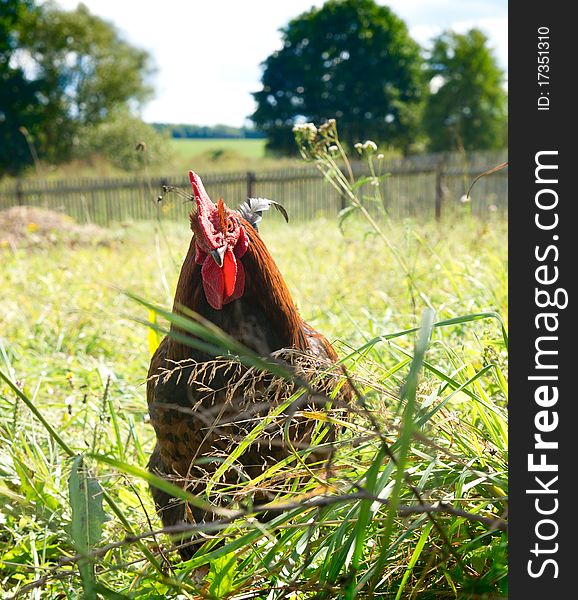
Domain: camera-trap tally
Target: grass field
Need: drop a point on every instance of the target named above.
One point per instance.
(71, 343)
(224, 154)
(246, 148)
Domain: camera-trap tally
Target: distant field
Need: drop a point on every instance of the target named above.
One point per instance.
(221, 154)
(247, 148)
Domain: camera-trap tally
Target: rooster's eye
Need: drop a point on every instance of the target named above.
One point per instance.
(230, 225)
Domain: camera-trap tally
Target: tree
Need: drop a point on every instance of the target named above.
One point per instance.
(90, 72)
(68, 80)
(20, 107)
(466, 107)
(352, 60)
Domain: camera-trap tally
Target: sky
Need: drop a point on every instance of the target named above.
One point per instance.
(207, 54)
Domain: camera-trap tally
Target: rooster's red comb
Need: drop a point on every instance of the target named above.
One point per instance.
(199, 189)
(206, 210)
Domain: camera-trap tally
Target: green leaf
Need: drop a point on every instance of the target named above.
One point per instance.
(221, 576)
(369, 179)
(88, 517)
(344, 213)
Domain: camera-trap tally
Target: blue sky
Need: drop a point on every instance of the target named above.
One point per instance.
(208, 53)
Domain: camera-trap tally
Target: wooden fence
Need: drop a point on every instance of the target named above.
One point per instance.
(425, 187)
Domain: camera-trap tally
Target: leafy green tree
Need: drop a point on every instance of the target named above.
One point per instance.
(68, 80)
(20, 107)
(466, 107)
(352, 60)
(89, 70)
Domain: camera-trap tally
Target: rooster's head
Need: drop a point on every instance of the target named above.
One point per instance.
(221, 240)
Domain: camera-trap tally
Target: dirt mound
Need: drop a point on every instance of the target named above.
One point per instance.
(31, 225)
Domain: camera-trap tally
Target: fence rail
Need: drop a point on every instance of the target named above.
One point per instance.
(426, 186)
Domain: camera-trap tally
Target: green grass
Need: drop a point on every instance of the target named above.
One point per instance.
(224, 154)
(71, 345)
(246, 148)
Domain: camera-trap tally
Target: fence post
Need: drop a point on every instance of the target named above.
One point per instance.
(19, 193)
(250, 183)
(439, 188)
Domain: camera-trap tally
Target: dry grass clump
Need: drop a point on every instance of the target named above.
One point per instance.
(23, 226)
(248, 419)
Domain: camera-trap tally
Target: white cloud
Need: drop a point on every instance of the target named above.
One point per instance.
(496, 29)
(208, 53)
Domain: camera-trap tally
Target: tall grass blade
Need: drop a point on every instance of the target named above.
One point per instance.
(407, 429)
(363, 519)
(414, 558)
(162, 484)
(153, 337)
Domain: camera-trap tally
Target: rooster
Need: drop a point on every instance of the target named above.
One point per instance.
(229, 278)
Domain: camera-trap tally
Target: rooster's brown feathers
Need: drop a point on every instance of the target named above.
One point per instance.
(200, 407)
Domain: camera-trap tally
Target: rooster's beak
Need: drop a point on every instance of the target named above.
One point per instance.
(218, 254)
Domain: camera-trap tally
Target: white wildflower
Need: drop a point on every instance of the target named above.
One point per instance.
(305, 127)
(465, 199)
(305, 131)
(370, 146)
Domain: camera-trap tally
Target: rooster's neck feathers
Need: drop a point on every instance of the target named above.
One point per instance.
(265, 293)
